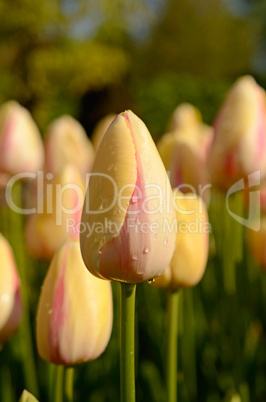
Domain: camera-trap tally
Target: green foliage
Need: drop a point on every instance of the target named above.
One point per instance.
(156, 98)
(42, 67)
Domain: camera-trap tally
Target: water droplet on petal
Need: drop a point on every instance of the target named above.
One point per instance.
(146, 250)
(134, 199)
(102, 241)
(134, 258)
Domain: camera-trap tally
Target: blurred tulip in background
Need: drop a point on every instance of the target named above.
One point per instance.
(21, 147)
(239, 143)
(10, 297)
(66, 142)
(192, 243)
(58, 215)
(100, 129)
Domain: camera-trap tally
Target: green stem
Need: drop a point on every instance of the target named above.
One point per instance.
(171, 345)
(127, 342)
(16, 233)
(68, 384)
(57, 394)
(6, 389)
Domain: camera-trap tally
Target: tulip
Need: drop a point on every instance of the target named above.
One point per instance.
(185, 117)
(239, 143)
(130, 198)
(21, 147)
(100, 129)
(257, 243)
(10, 297)
(48, 229)
(66, 142)
(184, 154)
(190, 257)
(74, 315)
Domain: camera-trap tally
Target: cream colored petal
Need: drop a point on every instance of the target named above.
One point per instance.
(190, 257)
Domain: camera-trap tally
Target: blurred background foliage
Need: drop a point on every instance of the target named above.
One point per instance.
(89, 58)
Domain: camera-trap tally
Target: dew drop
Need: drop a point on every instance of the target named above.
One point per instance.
(102, 241)
(146, 250)
(134, 258)
(134, 199)
(165, 240)
(152, 280)
(127, 203)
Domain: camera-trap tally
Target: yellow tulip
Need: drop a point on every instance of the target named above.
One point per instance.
(10, 298)
(100, 129)
(128, 217)
(66, 142)
(190, 257)
(239, 144)
(185, 117)
(184, 154)
(21, 147)
(59, 217)
(75, 312)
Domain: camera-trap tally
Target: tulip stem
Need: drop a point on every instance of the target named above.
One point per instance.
(16, 230)
(57, 393)
(172, 345)
(127, 342)
(68, 384)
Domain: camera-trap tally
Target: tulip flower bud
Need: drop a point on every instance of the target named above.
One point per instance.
(257, 243)
(10, 298)
(100, 129)
(21, 147)
(67, 142)
(184, 154)
(190, 257)
(75, 313)
(239, 143)
(128, 212)
(185, 117)
(188, 165)
(58, 213)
